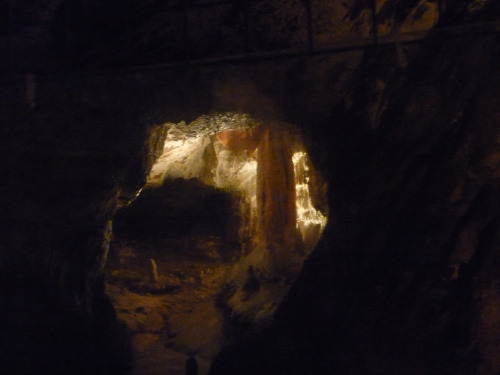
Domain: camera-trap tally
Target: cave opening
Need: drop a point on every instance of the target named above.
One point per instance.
(209, 246)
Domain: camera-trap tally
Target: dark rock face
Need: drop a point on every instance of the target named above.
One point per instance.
(405, 278)
(177, 208)
(58, 195)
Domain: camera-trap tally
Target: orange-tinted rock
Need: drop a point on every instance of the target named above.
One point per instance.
(276, 197)
(240, 140)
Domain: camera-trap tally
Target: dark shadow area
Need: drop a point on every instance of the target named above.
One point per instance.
(171, 249)
(178, 208)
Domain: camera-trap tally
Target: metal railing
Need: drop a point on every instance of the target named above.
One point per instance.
(248, 52)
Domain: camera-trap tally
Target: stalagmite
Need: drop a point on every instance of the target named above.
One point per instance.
(154, 271)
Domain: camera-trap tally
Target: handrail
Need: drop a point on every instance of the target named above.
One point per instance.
(335, 47)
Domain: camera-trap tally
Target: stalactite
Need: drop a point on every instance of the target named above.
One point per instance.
(276, 198)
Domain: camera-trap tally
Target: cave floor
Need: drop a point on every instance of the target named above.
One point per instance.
(176, 316)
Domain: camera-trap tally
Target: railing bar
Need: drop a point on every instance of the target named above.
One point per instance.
(429, 36)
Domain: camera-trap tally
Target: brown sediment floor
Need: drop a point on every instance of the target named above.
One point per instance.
(176, 316)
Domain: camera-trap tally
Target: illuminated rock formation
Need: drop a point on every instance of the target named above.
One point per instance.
(278, 219)
(276, 199)
(404, 278)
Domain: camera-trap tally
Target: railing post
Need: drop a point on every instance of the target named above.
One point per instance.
(310, 38)
(247, 30)
(373, 4)
(128, 35)
(185, 31)
(10, 31)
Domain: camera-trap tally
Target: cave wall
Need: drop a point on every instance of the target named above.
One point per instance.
(74, 148)
(403, 280)
(410, 156)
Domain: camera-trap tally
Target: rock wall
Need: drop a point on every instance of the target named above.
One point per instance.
(66, 163)
(404, 280)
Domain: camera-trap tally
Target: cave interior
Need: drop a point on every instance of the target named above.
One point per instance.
(193, 263)
(257, 187)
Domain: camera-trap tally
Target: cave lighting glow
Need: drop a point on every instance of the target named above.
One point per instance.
(309, 220)
(181, 158)
(185, 156)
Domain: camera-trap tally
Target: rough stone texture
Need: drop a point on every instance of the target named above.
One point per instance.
(55, 224)
(405, 278)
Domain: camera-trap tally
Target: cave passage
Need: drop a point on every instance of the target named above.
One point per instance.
(207, 250)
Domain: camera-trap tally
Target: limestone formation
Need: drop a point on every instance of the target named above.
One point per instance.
(404, 278)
